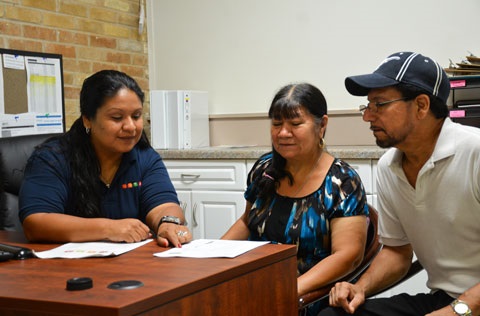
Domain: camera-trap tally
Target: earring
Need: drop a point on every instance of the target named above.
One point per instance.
(321, 144)
(87, 130)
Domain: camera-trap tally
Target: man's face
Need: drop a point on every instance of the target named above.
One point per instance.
(392, 122)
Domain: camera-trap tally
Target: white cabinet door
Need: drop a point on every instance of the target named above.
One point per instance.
(364, 170)
(213, 212)
(210, 193)
(374, 175)
(250, 164)
(185, 198)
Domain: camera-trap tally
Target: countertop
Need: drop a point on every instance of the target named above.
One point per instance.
(253, 152)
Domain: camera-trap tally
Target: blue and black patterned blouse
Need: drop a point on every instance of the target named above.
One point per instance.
(305, 221)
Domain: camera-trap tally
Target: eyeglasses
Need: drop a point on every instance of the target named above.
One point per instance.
(374, 106)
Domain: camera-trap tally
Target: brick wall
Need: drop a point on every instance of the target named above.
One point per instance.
(90, 35)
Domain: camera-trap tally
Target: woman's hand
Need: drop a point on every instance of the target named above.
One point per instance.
(127, 230)
(170, 233)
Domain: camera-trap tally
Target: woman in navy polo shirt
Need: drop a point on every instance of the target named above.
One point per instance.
(102, 180)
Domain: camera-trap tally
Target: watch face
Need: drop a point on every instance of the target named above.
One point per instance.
(461, 308)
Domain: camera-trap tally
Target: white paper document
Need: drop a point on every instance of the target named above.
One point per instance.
(212, 248)
(89, 249)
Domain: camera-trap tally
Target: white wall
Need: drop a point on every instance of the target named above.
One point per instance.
(242, 51)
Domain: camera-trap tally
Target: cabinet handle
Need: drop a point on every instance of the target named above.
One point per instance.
(194, 215)
(186, 177)
(183, 206)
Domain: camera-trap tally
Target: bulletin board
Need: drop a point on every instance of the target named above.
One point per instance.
(31, 93)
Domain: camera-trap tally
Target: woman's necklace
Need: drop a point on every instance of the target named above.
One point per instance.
(309, 175)
(108, 174)
(107, 183)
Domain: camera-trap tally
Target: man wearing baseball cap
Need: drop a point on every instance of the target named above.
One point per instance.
(428, 194)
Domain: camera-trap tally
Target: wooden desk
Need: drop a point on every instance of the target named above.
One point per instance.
(259, 282)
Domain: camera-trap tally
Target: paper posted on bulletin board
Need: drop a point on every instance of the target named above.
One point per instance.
(31, 95)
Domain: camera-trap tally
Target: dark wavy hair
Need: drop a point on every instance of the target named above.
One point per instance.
(96, 90)
(286, 105)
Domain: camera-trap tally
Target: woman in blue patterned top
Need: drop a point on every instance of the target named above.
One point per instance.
(300, 194)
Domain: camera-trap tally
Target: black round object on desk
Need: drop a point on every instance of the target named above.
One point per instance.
(77, 284)
(125, 285)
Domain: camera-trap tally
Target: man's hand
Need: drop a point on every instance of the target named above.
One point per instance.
(347, 296)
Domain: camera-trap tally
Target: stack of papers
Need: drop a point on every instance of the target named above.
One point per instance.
(212, 248)
(89, 249)
(200, 248)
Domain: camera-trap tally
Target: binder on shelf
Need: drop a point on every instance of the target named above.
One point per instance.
(465, 100)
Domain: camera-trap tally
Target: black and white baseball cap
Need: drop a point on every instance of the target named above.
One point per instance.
(403, 67)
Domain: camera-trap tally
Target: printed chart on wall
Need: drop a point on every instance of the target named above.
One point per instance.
(31, 93)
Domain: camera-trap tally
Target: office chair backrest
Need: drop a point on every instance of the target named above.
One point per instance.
(14, 154)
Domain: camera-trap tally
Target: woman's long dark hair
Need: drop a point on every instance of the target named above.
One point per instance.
(286, 105)
(86, 187)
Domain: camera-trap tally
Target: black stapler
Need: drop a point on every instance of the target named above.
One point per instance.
(18, 253)
(5, 255)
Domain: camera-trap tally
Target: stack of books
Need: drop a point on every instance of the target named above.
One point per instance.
(468, 66)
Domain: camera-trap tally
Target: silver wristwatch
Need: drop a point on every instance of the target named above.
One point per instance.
(170, 219)
(461, 308)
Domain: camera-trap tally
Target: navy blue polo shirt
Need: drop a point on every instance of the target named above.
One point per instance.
(140, 184)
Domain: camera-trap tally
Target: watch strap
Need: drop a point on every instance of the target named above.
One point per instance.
(169, 219)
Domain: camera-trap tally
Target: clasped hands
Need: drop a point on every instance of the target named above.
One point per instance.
(133, 230)
(347, 296)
